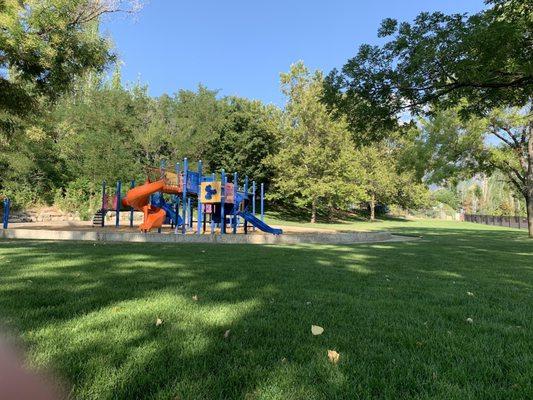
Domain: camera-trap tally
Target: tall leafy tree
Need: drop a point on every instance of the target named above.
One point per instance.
(197, 117)
(383, 180)
(46, 44)
(95, 133)
(439, 60)
(248, 135)
(315, 166)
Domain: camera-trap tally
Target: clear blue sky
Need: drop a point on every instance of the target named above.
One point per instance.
(241, 46)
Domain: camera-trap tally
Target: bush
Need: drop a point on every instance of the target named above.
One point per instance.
(78, 196)
(22, 196)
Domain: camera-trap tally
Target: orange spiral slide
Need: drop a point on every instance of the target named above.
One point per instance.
(139, 197)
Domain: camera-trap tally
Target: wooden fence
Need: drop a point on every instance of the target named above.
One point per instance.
(498, 220)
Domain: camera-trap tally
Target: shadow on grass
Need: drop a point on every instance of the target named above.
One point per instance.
(395, 311)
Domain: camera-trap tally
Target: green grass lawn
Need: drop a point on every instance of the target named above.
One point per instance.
(396, 312)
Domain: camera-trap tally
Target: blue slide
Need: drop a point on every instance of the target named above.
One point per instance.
(258, 223)
(172, 214)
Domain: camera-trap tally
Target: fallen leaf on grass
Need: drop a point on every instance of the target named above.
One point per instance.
(195, 298)
(226, 334)
(333, 356)
(158, 322)
(316, 330)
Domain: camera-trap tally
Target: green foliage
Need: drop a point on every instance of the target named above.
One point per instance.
(247, 136)
(45, 45)
(198, 117)
(315, 165)
(80, 195)
(446, 196)
(384, 182)
(438, 60)
(95, 134)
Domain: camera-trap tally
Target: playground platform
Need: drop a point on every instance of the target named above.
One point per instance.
(82, 231)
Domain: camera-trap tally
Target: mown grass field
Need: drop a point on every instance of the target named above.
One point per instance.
(396, 312)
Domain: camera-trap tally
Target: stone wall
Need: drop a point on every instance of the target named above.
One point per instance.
(41, 215)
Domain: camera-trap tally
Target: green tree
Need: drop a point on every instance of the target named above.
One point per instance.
(246, 138)
(46, 44)
(315, 166)
(197, 117)
(95, 134)
(384, 182)
(439, 60)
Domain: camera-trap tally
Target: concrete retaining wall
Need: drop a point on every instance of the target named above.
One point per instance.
(332, 238)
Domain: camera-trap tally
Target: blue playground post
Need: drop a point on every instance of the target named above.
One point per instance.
(119, 203)
(5, 218)
(132, 185)
(184, 193)
(104, 205)
(222, 202)
(177, 206)
(253, 201)
(161, 176)
(253, 197)
(262, 201)
(189, 213)
(200, 214)
(245, 202)
(235, 188)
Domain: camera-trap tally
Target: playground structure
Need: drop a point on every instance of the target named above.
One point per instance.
(219, 204)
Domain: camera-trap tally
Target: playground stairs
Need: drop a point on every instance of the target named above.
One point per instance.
(98, 217)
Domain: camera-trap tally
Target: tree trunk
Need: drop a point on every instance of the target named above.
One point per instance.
(313, 211)
(529, 181)
(372, 208)
(529, 207)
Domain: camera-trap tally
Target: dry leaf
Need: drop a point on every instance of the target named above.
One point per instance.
(316, 330)
(470, 320)
(226, 334)
(333, 356)
(158, 322)
(195, 298)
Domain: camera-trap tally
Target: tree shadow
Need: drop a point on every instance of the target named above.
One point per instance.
(395, 311)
